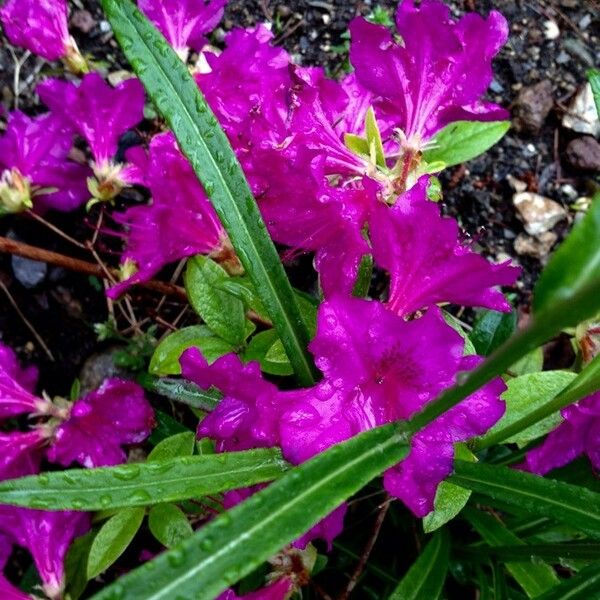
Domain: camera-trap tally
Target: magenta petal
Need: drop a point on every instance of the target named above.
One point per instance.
(578, 434)
(276, 591)
(47, 536)
(184, 22)
(100, 113)
(443, 64)
(327, 529)
(26, 377)
(426, 261)
(100, 423)
(15, 400)
(20, 453)
(180, 221)
(38, 25)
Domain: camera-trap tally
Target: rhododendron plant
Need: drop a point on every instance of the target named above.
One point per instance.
(246, 429)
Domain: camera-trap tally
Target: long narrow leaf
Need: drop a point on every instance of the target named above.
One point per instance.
(425, 579)
(570, 504)
(177, 97)
(143, 484)
(583, 586)
(535, 578)
(235, 543)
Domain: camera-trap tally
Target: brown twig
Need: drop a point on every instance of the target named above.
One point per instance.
(383, 509)
(81, 266)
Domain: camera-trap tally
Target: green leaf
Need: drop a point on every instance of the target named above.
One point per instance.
(365, 275)
(223, 313)
(458, 327)
(530, 363)
(534, 577)
(594, 79)
(569, 504)
(356, 144)
(178, 98)
(376, 151)
(523, 396)
(112, 540)
(574, 265)
(142, 484)
(548, 552)
(165, 360)
(491, 330)
(425, 579)
(450, 499)
(581, 386)
(179, 390)
(169, 525)
(463, 140)
(76, 565)
(235, 543)
(267, 349)
(180, 444)
(583, 586)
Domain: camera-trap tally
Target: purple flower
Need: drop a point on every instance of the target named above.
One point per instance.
(41, 27)
(426, 260)
(20, 453)
(101, 114)
(184, 22)
(100, 423)
(280, 590)
(34, 168)
(16, 400)
(47, 536)
(577, 435)
(26, 377)
(437, 75)
(7, 590)
(180, 221)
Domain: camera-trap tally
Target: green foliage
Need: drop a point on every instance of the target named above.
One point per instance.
(178, 98)
(180, 444)
(168, 524)
(594, 79)
(425, 579)
(491, 330)
(267, 349)
(464, 140)
(179, 390)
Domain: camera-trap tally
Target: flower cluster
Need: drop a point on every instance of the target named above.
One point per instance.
(90, 431)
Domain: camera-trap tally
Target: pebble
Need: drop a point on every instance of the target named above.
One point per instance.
(582, 116)
(537, 247)
(584, 154)
(29, 273)
(569, 192)
(83, 20)
(551, 30)
(96, 369)
(532, 106)
(538, 213)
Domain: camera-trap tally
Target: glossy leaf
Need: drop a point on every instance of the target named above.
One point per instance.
(177, 97)
(573, 505)
(76, 565)
(524, 395)
(166, 426)
(458, 327)
(425, 578)
(574, 265)
(549, 552)
(450, 499)
(585, 585)
(235, 543)
(376, 151)
(463, 140)
(165, 360)
(168, 524)
(594, 79)
(530, 363)
(581, 386)
(491, 330)
(534, 577)
(112, 540)
(142, 484)
(180, 444)
(266, 348)
(223, 313)
(182, 391)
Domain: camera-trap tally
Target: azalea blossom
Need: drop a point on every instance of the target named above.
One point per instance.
(35, 171)
(280, 590)
(378, 368)
(179, 222)
(41, 26)
(578, 435)
(7, 589)
(101, 114)
(184, 22)
(437, 75)
(427, 262)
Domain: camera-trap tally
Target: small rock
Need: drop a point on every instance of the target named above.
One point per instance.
(537, 247)
(83, 20)
(532, 106)
(105, 26)
(551, 30)
(568, 191)
(585, 21)
(29, 273)
(575, 48)
(97, 368)
(539, 214)
(516, 184)
(496, 87)
(584, 154)
(563, 58)
(582, 116)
